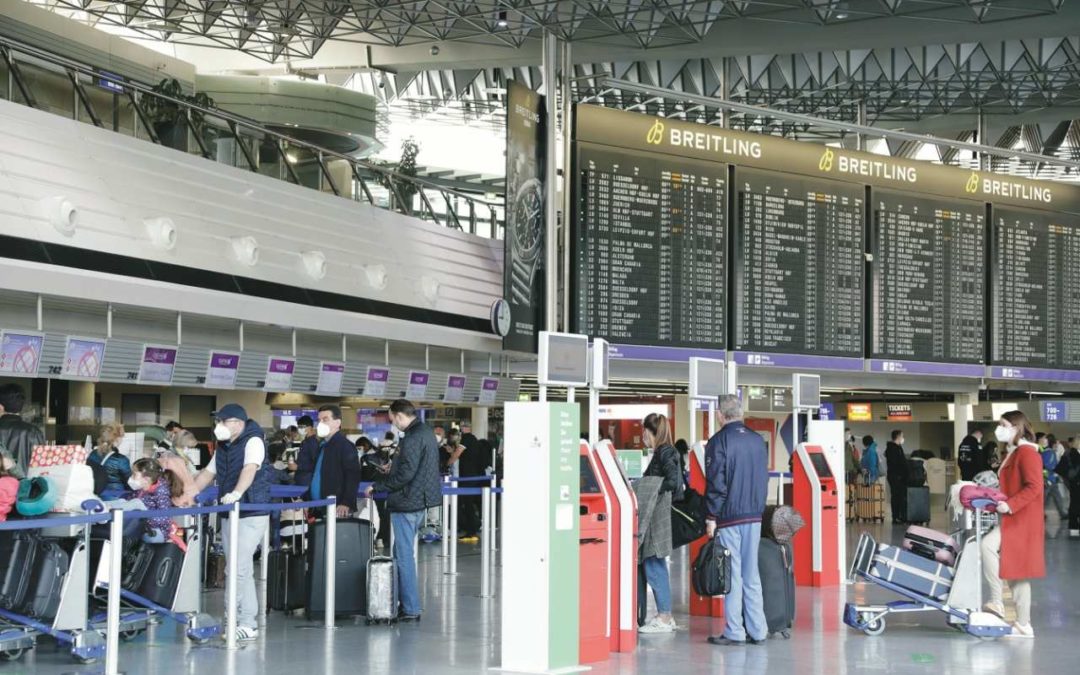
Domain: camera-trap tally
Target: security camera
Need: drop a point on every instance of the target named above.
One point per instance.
(434, 50)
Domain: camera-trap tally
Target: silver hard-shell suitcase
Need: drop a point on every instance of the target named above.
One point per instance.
(382, 600)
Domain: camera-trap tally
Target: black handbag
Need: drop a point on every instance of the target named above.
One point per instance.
(687, 518)
(711, 574)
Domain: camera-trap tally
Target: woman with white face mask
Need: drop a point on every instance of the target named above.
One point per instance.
(1013, 552)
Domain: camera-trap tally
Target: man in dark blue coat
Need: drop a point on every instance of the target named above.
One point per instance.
(309, 450)
(737, 475)
(337, 463)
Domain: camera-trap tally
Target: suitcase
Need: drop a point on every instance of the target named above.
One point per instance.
(918, 505)
(18, 551)
(50, 568)
(777, 586)
(931, 544)
(928, 578)
(286, 581)
(215, 570)
(870, 502)
(382, 600)
(353, 551)
(163, 575)
(136, 562)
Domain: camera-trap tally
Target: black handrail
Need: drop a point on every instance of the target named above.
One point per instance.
(233, 122)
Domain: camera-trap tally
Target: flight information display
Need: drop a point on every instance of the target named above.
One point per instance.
(799, 264)
(929, 283)
(651, 248)
(1036, 274)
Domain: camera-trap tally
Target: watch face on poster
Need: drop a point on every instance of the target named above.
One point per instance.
(500, 317)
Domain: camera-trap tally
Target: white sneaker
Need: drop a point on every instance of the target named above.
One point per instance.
(1020, 630)
(1073, 534)
(245, 634)
(658, 626)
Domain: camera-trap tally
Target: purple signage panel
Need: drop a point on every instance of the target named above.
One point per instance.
(489, 390)
(455, 388)
(1055, 411)
(330, 376)
(157, 365)
(20, 353)
(418, 384)
(655, 353)
(798, 361)
(1050, 374)
(827, 411)
(375, 383)
(83, 358)
(222, 369)
(279, 373)
(927, 368)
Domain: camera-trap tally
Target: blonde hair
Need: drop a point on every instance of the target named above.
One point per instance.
(185, 439)
(108, 436)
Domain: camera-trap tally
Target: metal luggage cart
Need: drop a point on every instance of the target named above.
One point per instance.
(962, 607)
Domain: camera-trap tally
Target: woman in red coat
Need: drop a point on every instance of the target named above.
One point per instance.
(1014, 551)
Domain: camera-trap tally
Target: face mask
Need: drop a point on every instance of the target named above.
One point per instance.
(439, 440)
(136, 484)
(1003, 434)
(222, 433)
(323, 430)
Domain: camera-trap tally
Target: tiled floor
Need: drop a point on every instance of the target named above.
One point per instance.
(459, 634)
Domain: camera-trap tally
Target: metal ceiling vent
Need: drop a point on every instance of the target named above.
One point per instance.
(376, 276)
(162, 232)
(246, 250)
(61, 214)
(314, 264)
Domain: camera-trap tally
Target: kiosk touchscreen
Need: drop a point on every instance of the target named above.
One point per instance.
(595, 580)
(817, 547)
(622, 564)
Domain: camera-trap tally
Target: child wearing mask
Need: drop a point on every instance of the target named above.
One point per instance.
(9, 486)
(157, 487)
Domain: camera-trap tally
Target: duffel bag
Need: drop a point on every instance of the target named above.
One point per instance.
(711, 574)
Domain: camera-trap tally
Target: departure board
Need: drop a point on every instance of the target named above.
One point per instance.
(929, 282)
(1036, 273)
(651, 248)
(799, 264)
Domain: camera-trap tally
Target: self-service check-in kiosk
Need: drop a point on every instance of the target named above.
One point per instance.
(815, 496)
(700, 605)
(608, 536)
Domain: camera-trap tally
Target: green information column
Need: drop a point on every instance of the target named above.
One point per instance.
(541, 549)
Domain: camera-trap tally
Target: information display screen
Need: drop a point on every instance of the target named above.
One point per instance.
(799, 264)
(1036, 273)
(929, 282)
(651, 248)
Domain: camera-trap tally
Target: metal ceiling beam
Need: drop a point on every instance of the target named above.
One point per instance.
(847, 127)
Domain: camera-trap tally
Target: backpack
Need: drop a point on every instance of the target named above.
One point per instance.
(711, 574)
(916, 473)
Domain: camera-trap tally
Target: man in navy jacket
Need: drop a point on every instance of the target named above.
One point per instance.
(737, 474)
(337, 464)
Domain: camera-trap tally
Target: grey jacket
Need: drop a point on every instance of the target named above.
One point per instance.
(413, 482)
(654, 518)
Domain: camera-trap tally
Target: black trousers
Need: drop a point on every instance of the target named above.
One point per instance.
(898, 489)
(1074, 508)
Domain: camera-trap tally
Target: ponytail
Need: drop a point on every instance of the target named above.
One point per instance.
(658, 426)
(152, 469)
(176, 486)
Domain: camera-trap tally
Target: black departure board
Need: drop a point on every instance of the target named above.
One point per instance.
(651, 248)
(929, 278)
(1036, 273)
(799, 264)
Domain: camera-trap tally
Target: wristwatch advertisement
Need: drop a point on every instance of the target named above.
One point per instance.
(523, 278)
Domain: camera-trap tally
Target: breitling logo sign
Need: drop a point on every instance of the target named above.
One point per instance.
(656, 133)
(866, 167)
(972, 185)
(708, 141)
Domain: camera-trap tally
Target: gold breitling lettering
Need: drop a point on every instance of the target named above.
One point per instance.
(826, 161)
(656, 133)
(972, 185)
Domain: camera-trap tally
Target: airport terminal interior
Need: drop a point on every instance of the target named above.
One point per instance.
(539, 337)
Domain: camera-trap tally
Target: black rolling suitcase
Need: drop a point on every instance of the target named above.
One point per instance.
(777, 586)
(642, 595)
(18, 551)
(137, 557)
(163, 574)
(918, 505)
(353, 552)
(50, 568)
(287, 578)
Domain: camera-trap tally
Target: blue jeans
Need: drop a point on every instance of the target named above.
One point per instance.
(656, 573)
(744, 601)
(405, 527)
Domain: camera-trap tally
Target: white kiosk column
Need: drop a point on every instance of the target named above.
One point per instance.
(541, 556)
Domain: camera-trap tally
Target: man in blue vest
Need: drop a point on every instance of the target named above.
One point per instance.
(240, 469)
(337, 463)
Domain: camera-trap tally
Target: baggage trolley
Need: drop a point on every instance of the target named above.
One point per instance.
(962, 607)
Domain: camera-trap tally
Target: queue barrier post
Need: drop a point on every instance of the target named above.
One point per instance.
(485, 549)
(232, 557)
(112, 625)
(453, 530)
(331, 559)
(445, 518)
(493, 510)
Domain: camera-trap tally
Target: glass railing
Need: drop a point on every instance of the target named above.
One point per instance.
(57, 84)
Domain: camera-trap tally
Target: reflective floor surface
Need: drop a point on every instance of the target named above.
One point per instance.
(460, 634)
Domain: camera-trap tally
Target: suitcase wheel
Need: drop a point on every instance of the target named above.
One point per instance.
(786, 634)
(129, 635)
(875, 627)
(11, 654)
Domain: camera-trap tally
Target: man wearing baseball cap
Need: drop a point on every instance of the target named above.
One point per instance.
(240, 469)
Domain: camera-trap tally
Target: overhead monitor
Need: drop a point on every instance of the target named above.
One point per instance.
(564, 360)
(708, 378)
(600, 364)
(807, 391)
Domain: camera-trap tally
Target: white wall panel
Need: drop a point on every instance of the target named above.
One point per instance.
(116, 182)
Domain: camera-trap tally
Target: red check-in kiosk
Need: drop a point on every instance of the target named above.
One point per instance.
(815, 496)
(622, 565)
(595, 575)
